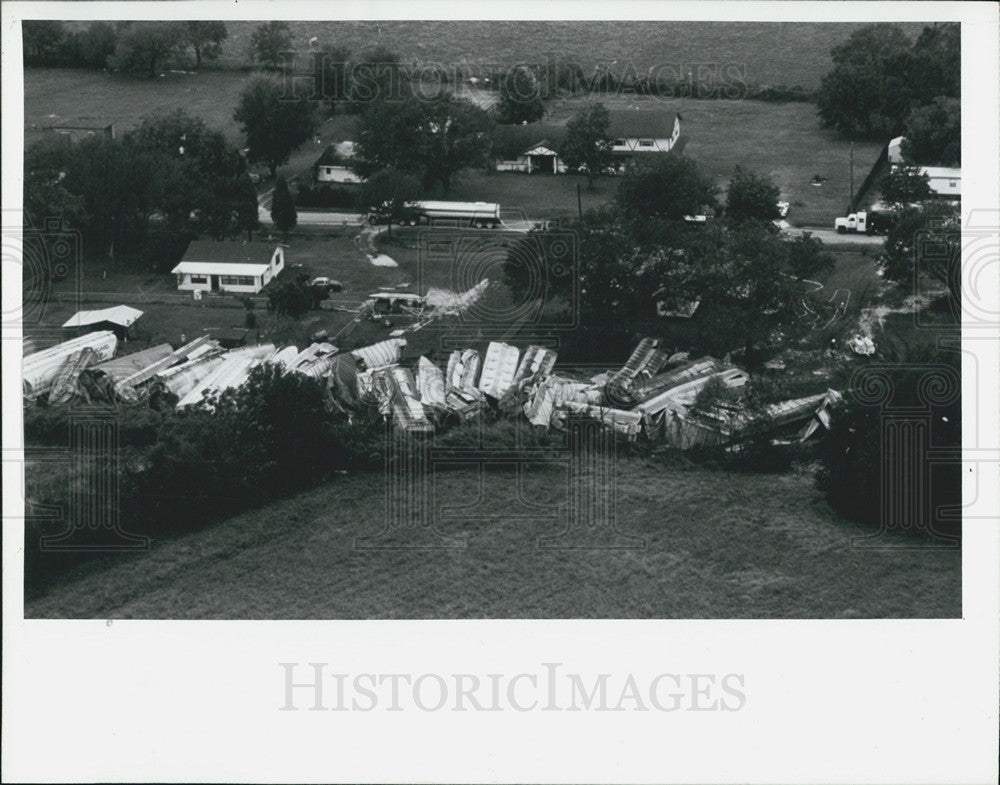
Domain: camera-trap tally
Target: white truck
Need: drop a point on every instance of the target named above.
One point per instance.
(872, 221)
(481, 215)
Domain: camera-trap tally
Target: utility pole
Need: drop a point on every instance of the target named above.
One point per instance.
(850, 208)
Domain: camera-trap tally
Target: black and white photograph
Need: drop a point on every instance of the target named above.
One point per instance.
(409, 318)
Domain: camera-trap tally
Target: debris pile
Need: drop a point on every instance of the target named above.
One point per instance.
(652, 395)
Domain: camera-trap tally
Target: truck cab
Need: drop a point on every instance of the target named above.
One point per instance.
(855, 222)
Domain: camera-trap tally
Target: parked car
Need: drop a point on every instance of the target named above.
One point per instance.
(327, 283)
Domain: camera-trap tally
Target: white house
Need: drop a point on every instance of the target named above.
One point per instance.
(639, 132)
(330, 168)
(633, 133)
(235, 266)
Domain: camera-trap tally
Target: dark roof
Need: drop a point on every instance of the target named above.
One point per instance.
(84, 123)
(509, 141)
(233, 251)
(541, 143)
(329, 157)
(645, 123)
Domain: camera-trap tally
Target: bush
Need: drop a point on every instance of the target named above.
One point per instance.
(50, 425)
(180, 470)
(853, 458)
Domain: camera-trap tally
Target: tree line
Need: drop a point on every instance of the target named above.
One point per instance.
(123, 45)
(883, 85)
(171, 173)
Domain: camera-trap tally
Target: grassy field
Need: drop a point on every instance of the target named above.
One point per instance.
(781, 53)
(775, 54)
(715, 545)
(52, 94)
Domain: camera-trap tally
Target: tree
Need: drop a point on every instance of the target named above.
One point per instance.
(925, 241)
(934, 133)
(283, 207)
(807, 256)
(752, 196)
(376, 76)
(866, 93)
(854, 457)
(607, 282)
(247, 208)
(198, 171)
(586, 144)
(331, 75)
(670, 187)
(520, 97)
(287, 296)
(206, 38)
(905, 185)
(386, 193)
(45, 192)
(739, 271)
(274, 123)
(41, 39)
(429, 139)
(935, 67)
(269, 43)
(117, 189)
(145, 45)
(93, 47)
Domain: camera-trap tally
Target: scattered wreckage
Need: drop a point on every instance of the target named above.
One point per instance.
(652, 395)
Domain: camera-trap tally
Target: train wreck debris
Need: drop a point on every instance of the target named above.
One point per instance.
(638, 400)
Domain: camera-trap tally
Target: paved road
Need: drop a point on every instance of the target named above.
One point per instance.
(832, 237)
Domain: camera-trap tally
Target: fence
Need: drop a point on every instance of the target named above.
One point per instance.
(870, 179)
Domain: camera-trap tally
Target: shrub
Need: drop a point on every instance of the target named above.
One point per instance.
(852, 456)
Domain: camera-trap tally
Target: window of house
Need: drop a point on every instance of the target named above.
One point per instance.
(199, 279)
(645, 143)
(953, 183)
(237, 280)
(619, 142)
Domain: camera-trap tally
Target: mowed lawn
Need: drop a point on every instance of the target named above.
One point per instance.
(169, 314)
(700, 544)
